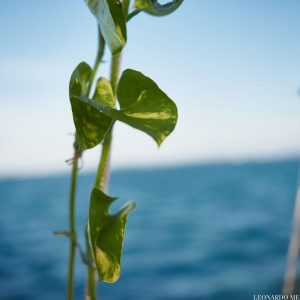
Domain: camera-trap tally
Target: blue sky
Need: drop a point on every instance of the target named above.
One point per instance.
(231, 66)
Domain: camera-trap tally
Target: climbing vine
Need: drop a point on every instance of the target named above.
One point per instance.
(134, 99)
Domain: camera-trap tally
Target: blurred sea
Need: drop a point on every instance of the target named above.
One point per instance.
(209, 232)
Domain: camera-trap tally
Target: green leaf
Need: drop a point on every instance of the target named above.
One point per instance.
(106, 234)
(143, 105)
(104, 93)
(112, 22)
(153, 7)
(91, 125)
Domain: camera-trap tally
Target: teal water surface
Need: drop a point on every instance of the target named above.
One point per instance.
(207, 232)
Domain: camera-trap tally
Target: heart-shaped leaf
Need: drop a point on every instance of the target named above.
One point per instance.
(91, 125)
(143, 105)
(106, 234)
(153, 7)
(112, 22)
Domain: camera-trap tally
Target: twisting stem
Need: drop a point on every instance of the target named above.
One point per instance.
(91, 291)
(72, 227)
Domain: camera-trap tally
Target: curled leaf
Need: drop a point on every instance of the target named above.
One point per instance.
(106, 234)
(112, 22)
(153, 7)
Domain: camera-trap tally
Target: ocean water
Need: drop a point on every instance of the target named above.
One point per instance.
(199, 232)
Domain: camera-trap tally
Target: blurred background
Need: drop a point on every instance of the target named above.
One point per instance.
(214, 203)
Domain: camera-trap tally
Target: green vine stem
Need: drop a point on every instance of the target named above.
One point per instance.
(101, 182)
(91, 291)
(100, 53)
(72, 224)
(132, 14)
(102, 172)
(114, 71)
(102, 176)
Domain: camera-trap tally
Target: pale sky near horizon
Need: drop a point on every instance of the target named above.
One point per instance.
(232, 67)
